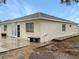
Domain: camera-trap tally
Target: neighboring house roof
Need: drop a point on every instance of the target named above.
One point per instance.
(40, 15)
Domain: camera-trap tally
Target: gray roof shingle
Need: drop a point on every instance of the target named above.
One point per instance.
(40, 15)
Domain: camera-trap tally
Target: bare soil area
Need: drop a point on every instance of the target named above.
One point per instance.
(71, 43)
(66, 49)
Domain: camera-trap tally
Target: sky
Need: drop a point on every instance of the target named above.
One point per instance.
(19, 8)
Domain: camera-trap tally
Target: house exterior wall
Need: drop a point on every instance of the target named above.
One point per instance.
(50, 30)
(36, 32)
(46, 30)
(12, 29)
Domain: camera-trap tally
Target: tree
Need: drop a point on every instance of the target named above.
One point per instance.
(68, 2)
(2, 1)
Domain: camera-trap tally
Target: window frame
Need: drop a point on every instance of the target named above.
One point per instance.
(63, 27)
(30, 27)
(70, 25)
(5, 27)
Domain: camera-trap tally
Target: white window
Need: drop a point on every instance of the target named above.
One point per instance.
(70, 25)
(29, 27)
(13, 29)
(5, 27)
(63, 27)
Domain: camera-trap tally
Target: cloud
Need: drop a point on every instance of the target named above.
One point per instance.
(74, 18)
(74, 15)
(28, 10)
(15, 8)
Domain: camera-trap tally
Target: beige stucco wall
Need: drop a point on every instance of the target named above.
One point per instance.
(50, 30)
(36, 32)
(46, 30)
(23, 33)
